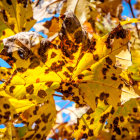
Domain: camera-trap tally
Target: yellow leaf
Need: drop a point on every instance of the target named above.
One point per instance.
(39, 119)
(124, 122)
(10, 107)
(15, 16)
(91, 123)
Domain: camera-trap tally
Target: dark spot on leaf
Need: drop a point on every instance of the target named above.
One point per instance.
(4, 16)
(104, 117)
(78, 37)
(88, 117)
(30, 89)
(112, 110)
(47, 71)
(104, 70)
(11, 89)
(66, 74)
(85, 135)
(23, 29)
(53, 55)
(9, 2)
(21, 69)
(96, 57)
(120, 86)
(70, 69)
(92, 120)
(76, 99)
(3, 32)
(109, 61)
(117, 130)
(90, 111)
(42, 93)
(44, 128)
(115, 122)
(122, 119)
(123, 136)
(38, 136)
(45, 117)
(6, 106)
(135, 110)
(125, 129)
(49, 83)
(113, 137)
(84, 127)
(90, 132)
(114, 78)
(80, 76)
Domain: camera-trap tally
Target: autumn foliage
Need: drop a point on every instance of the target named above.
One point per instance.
(91, 55)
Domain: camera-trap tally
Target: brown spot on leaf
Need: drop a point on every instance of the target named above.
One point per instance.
(120, 86)
(88, 117)
(80, 76)
(122, 119)
(9, 2)
(3, 32)
(117, 130)
(104, 70)
(90, 111)
(6, 106)
(109, 61)
(70, 69)
(45, 117)
(112, 110)
(85, 135)
(90, 132)
(104, 117)
(53, 55)
(66, 74)
(84, 127)
(38, 136)
(30, 89)
(49, 83)
(96, 57)
(78, 37)
(92, 120)
(42, 93)
(4, 16)
(135, 109)
(11, 89)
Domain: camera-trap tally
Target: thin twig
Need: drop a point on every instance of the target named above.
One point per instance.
(58, 95)
(136, 25)
(64, 106)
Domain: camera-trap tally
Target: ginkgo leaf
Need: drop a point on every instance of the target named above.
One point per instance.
(124, 123)
(16, 16)
(39, 119)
